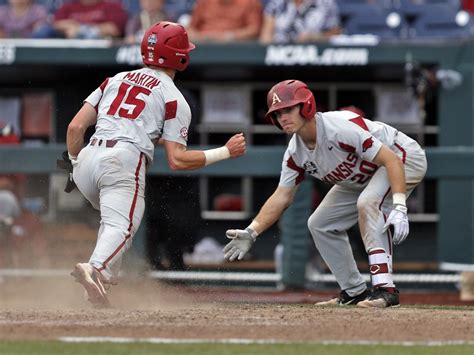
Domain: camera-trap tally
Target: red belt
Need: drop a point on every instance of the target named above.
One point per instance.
(109, 143)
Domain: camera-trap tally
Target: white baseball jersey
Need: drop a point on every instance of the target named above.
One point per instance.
(139, 107)
(346, 145)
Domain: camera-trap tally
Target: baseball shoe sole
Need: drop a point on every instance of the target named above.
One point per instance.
(345, 300)
(89, 278)
(381, 298)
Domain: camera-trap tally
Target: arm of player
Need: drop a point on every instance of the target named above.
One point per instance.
(179, 158)
(86, 117)
(396, 175)
(271, 211)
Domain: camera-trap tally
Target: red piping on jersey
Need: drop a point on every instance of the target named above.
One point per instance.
(170, 109)
(360, 122)
(103, 85)
(404, 152)
(292, 165)
(102, 88)
(347, 147)
(130, 215)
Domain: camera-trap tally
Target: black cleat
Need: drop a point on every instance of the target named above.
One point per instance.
(345, 300)
(382, 298)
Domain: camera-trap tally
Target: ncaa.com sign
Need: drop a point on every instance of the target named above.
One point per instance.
(129, 55)
(309, 55)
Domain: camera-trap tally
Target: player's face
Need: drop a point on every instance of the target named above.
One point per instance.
(290, 119)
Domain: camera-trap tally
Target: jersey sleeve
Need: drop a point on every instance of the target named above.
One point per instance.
(354, 136)
(291, 173)
(177, 119)
(95, 97)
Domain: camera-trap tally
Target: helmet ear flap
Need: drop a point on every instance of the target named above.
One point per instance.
(308, 107)
(275, 121)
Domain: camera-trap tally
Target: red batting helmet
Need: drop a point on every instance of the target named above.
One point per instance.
(290, 93)
(166, 44)
(7, 134)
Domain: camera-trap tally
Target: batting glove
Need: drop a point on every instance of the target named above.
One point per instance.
(242, 241)
(399, 219)
(66, 164)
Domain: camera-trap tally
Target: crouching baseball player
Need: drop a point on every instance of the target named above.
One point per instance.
(131, 112)
(373, 167)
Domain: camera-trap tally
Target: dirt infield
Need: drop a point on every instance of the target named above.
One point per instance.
(48, 309)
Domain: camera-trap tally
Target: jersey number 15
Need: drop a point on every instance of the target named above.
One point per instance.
(127, 94)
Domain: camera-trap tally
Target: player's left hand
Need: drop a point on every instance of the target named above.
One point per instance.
(399, 219)
(66, 164)
(241, 243)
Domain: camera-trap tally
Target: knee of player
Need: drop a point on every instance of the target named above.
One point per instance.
(316, 223)
(366, 203)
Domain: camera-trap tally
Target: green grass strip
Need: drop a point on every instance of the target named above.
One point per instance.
(60, 348)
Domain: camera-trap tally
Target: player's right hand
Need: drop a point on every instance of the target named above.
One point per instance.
(399, 219)
(241, 243)
(236, 145)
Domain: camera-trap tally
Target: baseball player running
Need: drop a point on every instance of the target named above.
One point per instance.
(131, 112)
(373, 167)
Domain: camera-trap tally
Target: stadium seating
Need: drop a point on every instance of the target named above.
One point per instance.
(176, 8)
(414, 8)
(351, 8)
(439, 22)
(379, 22)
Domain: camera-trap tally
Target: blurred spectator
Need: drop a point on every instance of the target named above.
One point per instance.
(180, 11)
(151, 12)
(87, 19)
(224, 21)
(300, 21)
(20, 18)
(468, 5)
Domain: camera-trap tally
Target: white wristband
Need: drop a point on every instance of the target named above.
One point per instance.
(215, 155)
(399, 198)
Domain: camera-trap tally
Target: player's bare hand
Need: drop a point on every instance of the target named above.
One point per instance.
(236, 145)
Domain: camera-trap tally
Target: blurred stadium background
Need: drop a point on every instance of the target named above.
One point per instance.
(405, 62)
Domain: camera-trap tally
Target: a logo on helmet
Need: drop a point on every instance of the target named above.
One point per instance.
(152, 40)
(276, 99)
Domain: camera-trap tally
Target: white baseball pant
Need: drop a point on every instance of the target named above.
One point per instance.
(342, 207)
(112, 177)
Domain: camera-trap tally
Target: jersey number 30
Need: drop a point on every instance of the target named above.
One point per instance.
(127, 94)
